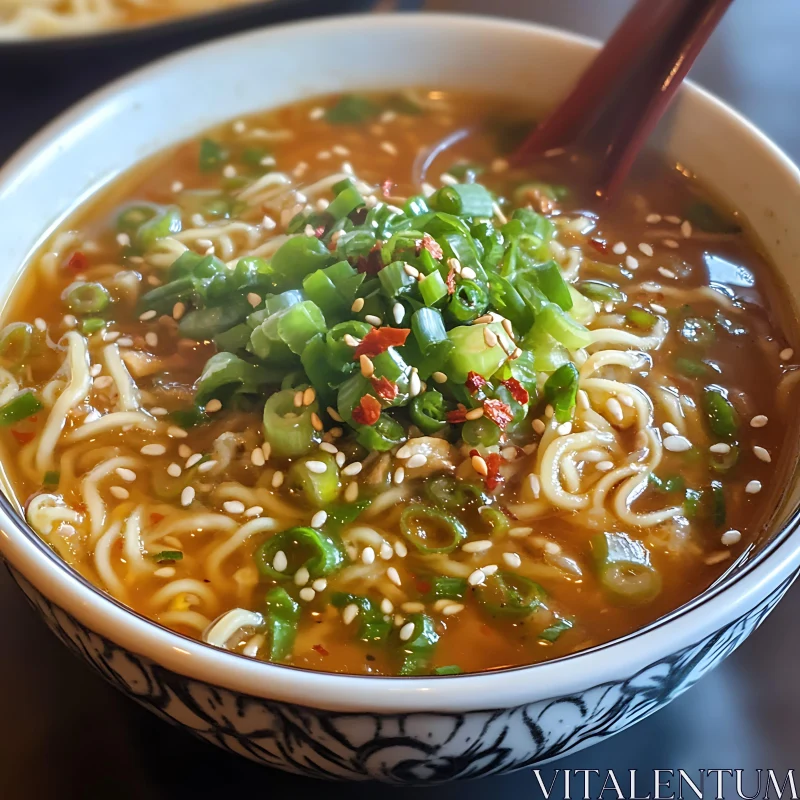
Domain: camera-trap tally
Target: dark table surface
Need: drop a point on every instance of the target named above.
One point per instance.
(64, 733)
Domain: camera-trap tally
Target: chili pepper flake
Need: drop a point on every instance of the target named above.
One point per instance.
(379, 340)
(367, 411)
(451, 281)
(457, 416)
(517, 390)
(319, 231)
(386, 188)
(78, 262)
(23, 437)
(320, 649)
(474, 382)
(372, 263)
(384, 388)
(493, 478)
(599, 244)
(427, 242)
(498, 412)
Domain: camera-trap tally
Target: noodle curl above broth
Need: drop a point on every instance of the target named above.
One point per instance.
(270, 393)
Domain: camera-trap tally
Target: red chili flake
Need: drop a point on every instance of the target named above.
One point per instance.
(367, 411)
(423, 587)
(451, 281)
(155, 518)
(384, 388)
(78, 262)
(599, 244)
(320, 649)
(498, 412)
(372, 263)
(458, 416)
(379, 340)
(518, 391)
(493, 478)
(427, 242)
(319, 231)
(474, 382)
(386, 188)
(23, 437)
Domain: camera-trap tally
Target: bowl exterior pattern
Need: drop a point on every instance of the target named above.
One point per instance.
(411, 748)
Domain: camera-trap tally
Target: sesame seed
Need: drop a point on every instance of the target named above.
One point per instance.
(538, 426)
(393, 576)
(277, 479)
(280, 562)
(468, 274)
(509, 453)
(254, 299)
(512, 560)
(358, 304)
(786, 354)
(165, 572)
(389, 148)
(352, 469)
(452, 608)
(659, 309)
(96, 369)
(671, 243)
(350, 613)
(367, 367)
(686, 229)
(479, 465)
(489, 569)
(508, 327)
(762, 454)
(653, 219)
(407, 631)
(720, 447)
(147, 315)
(368, 556)
(399, 476)
(119, 492)
(386, 551)
(474, 413)
(309, 396)
(234, 506)
(552, 548)
(619, 248)
(350, 340)
(400, 549)
(297, 400)
(329, 448)
(535, 484)
(266, 449)
(520, 532)
(604, 466)
(398, 312)
(351, 492)
(126, 474)
(484, 319)
(176, 432)
(307, 594)
(317, 467)
(715, 558)
(386, 606)
(670, 429)
(213, 405)
(730, 537)
(753, 487)
(564, 429)
(499, 165)
(417, 460)
(257, 457)
(193, 459)
(184, 451)
(316, 113)
(340, 458)
(646, 248)
(373, 320)
(667, 273)
(301, 577)
(103, 382)
(174, 470)
(316, 422)
(490, 337)
(151, 339)
(334, 414)
(319, 585)
(207, 466)
(254, 511)
(477, 547)
(614, 408)
(677, 444)
(153, 450)
(176, 187)
(319, 519)
(439, 377)
(178, 310)
(759, 421)
(414, 384)
(412, 271)
(549, 411)
(672, 219)
(187, 496)
(476, 578)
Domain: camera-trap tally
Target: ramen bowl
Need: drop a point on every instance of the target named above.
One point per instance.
(413, 729)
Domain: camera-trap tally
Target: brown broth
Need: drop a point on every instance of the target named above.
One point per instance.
(689, 557)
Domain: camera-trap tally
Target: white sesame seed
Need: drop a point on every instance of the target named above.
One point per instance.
(677, 444)
(254, 511)
(489, 569)
(153, 450)
(358, 304)
(277, 479)
(489, 337)
(659, 309)
(368, 556)
(301, 577)
(165, 572)
(564, 429)
(393, 576)
(399, 476)
(178, 310)
(340, 458)
(367, 367)
(476, 578)
(646, 248)
(468, 274)
(407, 631)
(417, 460)
(619, 248)
(234, 506)
(720, 447)
(604, 466)
(307, 594)
(386, 551)
(187, 496)
(176, 433)
(389, 148)
(280, 562)
(535, 484)
(207, 466)
(398, 312)
(373, 320)
(351, 492)
(400, 549)
(319, 519)
(686, 229)
(412, 271)
(614, 408)
(319, 585)
(119, 492)
(670, 429)
(193, 459)
(350, 613)
(759, 421)
(653, 219)
(786, 354)
(538, 426)
(479, 465)
(176, 187)
(184, 451)
(316, 113)
(174, 470)
(477, 547)
(328, 447)
(452, 608)
(520, 532)
(762, 454)
(499, 165)
(126, 474)
(631, 262)
(103, 382)
(474, 413)
(414, 384)
(730, 537)
(213, 405)
(352, 469)
(667, 273)
(753, 487)
(386, 606)
(512, 560)
(317, 467)
(148, 315)
(671, 243)
(257, 457)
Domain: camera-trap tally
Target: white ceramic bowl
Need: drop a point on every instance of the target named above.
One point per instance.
(395, 729)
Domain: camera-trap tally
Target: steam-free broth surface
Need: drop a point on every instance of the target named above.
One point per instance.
(595, 432)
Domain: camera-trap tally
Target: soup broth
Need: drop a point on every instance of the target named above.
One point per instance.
(504, 421)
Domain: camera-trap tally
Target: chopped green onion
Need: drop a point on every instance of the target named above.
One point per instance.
(704, 216)
(21, 406)
(345, 202)
(469, 301)
(554, 631)
(300, 256)
(385, 434)
(451, 669)
(561, 391)
(641, 318)
(319, 488)
(445, 491)
(720, 413)
(494, 518)
(552, 283)
(602, 292)
(431, 336)
(419, 647)
(432, 288)
(160, 226)
(697, 331)
(463, 199)
(51, 478)
(473, 353)
(225, 373)
(288, 429)
(692, 368)
(203, 324)
(16, 340)
(86, 297)
(395, 280)
(507, 594)
(283, 615)
(429, 412)
(351, 109)
(563, 328)
(372, 623)
(718, 512)
(92, 325)
(446, 587)
(212, 155)
(303, 547)
(725, 462)
(431, 530)
(168, 555)
(481, 432)
(624, 569)
(131, 218)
